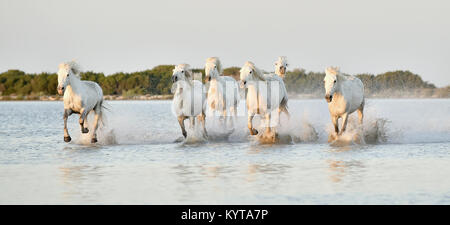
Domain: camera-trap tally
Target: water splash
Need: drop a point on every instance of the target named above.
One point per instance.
(384, 122)
(194, 135)
(372, 131)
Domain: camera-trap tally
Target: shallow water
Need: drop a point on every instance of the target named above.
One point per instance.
(137, 161)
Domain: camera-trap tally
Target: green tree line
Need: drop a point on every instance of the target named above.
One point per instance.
(157, 81)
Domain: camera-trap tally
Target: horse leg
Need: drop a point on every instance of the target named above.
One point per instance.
(225, 117)
(334, 120)
(222, 116)
(83, 115)
(253, 131)
(181, 122)
(268, 129)
(361, 113)
(235, 114)
(279, 116)
(344, 123)
(231, 117)
(67, 113)
(85, 124)
(192, 120)
(98, 112)
(201, 118)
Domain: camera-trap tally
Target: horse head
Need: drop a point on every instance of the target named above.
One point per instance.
(330, 82)
(281, 65)
(182, 72)
(213, 68)
(65, 70)
(249, 72)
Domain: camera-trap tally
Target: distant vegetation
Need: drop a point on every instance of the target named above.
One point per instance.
(16, 84)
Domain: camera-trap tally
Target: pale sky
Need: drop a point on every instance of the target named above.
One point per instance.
(111, 36)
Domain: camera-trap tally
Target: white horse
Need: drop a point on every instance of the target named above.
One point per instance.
(189, 100)
(265, 93)
(280, 70)
(281, 66)
(223, 91)
(80, 97)
(344, 94)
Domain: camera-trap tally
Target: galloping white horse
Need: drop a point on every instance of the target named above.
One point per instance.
(80, 97)
(344, 94)
(189, 99)
(223, 92)
(265, 93)
(280, 70)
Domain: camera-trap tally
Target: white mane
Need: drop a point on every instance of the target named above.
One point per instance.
(335, 71)
(186, 68)
(71, 66)
(215, 61)
(257, 72)
(332, 71)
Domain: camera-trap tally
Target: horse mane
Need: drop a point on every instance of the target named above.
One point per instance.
(336, 72)
(258, 73)
(72, 66)
(186, 68)
(215, 61)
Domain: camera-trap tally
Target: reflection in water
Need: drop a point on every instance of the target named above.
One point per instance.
(191, 177)
(194, 174)
(78, 181)
(253, 170)
(341, 169)
(210, 171)
(220, 179)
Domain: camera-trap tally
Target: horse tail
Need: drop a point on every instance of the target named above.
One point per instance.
(283, 103)
(284, 107)
(103, 107)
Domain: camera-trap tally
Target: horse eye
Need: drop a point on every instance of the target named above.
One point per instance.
(334, 81)
(68, 74)
(182, 71)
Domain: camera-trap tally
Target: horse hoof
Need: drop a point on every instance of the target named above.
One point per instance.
(67, 139)
(93, 140)
(85, 130)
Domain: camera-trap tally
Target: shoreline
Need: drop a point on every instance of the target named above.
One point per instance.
(106, 97)
(169, 97)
